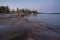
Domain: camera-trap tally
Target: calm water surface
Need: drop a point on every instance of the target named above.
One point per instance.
(50, 19)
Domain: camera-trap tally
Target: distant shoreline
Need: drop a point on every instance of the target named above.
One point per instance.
(48, 13)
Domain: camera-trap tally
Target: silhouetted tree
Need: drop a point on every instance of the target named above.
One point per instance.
(4, 9)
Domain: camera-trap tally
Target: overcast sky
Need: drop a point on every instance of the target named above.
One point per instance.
(39, 5)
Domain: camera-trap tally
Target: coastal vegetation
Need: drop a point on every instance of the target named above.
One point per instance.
(6, 9)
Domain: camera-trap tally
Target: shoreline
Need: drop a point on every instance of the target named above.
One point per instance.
(34, 30)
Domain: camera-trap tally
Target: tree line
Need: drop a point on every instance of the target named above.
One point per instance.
(5, 9)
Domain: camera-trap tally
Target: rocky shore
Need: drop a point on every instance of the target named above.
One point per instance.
(29, 30)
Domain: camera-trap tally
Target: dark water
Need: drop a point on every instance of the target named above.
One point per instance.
(50, 19)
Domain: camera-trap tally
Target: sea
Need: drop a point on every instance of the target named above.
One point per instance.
(48, 19)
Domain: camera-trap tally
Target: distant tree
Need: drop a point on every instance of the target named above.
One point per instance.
(4, 9)
(7, 9)
(33, 11)
(13, 11)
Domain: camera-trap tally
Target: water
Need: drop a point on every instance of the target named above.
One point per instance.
(50, 19)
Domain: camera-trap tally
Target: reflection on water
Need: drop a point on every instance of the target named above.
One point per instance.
(50, 19)
(21, 29)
